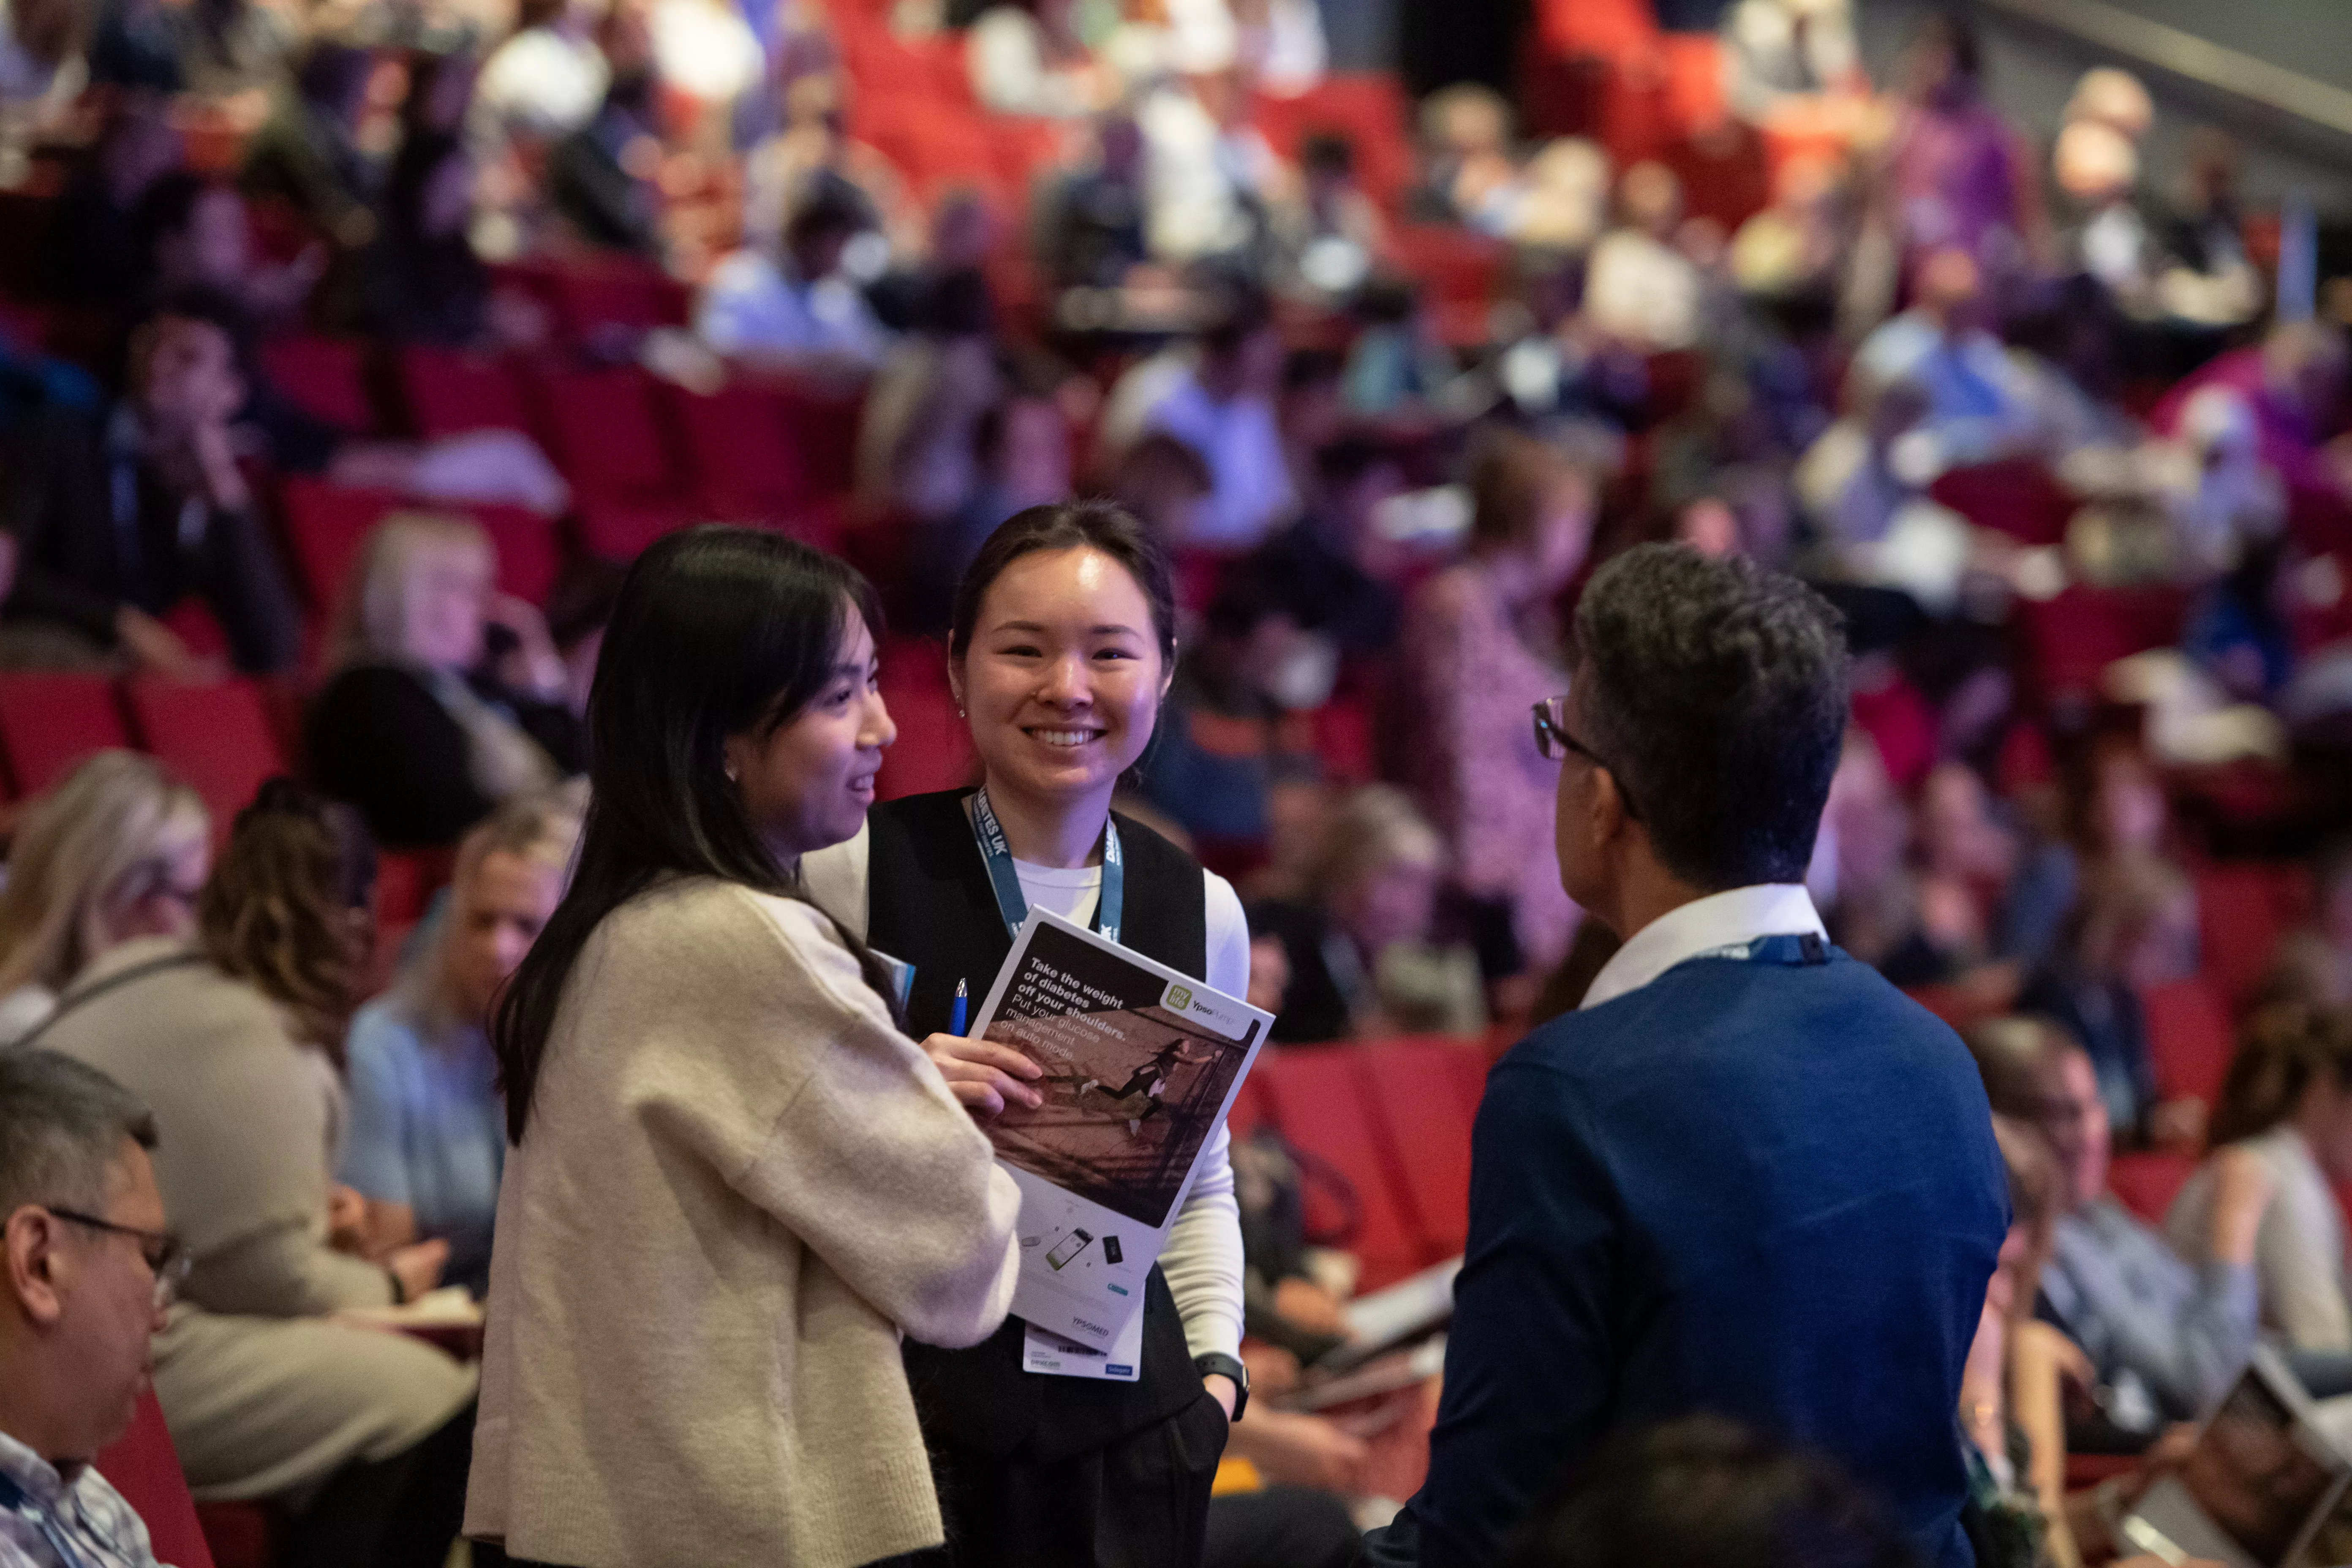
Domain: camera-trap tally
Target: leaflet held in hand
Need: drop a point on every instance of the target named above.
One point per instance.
(1140, 1064)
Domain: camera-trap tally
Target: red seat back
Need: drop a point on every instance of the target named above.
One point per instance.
(451, 390)
(324, 377)
(1317, 1097)
(2242, 910)
(606, 428)
(2019, 497)
(1424, 1096)
(2072, 638)
(50, 722)
(217, 737)
(934, 748)
(144, 1468)
(2189, 1038)
(742, 462)
(2146, 1183)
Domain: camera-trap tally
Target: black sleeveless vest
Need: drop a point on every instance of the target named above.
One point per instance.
(930, 902)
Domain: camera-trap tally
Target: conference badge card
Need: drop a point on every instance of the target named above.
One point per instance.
(1141, 1064)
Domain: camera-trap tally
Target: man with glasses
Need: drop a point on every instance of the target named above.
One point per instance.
(1749, 1177)
(90, 1270)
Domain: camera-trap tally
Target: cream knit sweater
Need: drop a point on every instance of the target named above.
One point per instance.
(738, 1184)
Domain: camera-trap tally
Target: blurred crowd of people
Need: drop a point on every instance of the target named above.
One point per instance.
(1384, 497)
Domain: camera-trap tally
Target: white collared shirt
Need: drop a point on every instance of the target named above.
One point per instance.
(1706, 925)
(100, 1530)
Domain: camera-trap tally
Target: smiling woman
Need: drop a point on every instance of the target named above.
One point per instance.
(1063, 644)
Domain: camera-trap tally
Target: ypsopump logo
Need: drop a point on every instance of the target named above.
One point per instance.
(1179, 999)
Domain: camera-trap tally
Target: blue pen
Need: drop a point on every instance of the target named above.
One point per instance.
(956, 1013)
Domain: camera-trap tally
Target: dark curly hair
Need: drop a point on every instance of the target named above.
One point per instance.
(1717, 690)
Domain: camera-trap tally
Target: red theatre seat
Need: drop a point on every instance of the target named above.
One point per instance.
(2146, 1183)
(1318, 1100)
(2070, 639)
(1423, 1096)
(451, 390)
(144, 1468)
(325, 378)
(50, 722)
(742, 464)
(934, 748)
(608, 432)
(217, 737)
(2189, 1040)
(2019, 497)
(2242, 910)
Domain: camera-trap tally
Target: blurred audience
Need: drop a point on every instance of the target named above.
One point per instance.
(118, 519)
(358, 1435)
(2133, 927)
(427, 1137)
(1481, 645)
(2164, 1337)
(1359, 950)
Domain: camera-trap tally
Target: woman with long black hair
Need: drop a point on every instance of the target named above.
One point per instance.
(1063, 640)
(734, 1183)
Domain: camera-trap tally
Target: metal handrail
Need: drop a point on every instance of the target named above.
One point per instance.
(2200, 60)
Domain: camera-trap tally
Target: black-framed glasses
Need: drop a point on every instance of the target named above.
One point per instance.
(1554, 742)
(166, 1256)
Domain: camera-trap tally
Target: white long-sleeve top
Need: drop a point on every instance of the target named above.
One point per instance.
(1203, 1258)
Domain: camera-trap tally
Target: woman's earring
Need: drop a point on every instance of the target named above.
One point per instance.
(730, 776)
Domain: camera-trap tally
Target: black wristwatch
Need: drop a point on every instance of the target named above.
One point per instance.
(1217, 1363)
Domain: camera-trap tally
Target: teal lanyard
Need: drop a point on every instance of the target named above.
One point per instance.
(14, 1499)
(1014, 904)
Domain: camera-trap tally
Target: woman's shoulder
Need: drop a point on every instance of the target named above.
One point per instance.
(371, 690)
(708, 939)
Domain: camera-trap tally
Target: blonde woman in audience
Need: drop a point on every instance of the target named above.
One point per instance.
(2285, 1108)
(357, 1434)
(427, 1137)
(116, 850)
(733, 1185)
(1360, 959)
(446, 697)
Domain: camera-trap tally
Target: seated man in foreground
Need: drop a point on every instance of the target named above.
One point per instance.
(1749, 1177)
(89, 1271)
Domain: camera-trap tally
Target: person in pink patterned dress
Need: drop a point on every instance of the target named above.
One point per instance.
(1481, 647)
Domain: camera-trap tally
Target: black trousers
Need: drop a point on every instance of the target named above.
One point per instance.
(1281, 1527)
(1142, 1502)
(400, 1512)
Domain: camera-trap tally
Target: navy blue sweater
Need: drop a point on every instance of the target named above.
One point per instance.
(1763, 1187)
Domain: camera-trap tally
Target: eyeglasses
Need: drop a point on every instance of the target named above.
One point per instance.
(1554, 742)
(166, 1256)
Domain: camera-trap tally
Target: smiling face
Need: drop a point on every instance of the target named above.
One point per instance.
(807, 783)
(1064, 676)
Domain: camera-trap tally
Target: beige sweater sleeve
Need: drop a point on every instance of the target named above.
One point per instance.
(865, 1155)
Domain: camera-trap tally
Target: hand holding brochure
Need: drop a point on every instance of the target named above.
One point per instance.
(1141, 1064)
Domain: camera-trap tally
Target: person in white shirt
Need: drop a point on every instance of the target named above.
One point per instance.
(1638, 289)
(803, 312)
(1218, 400)
(86, 1273)
(545, 82)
